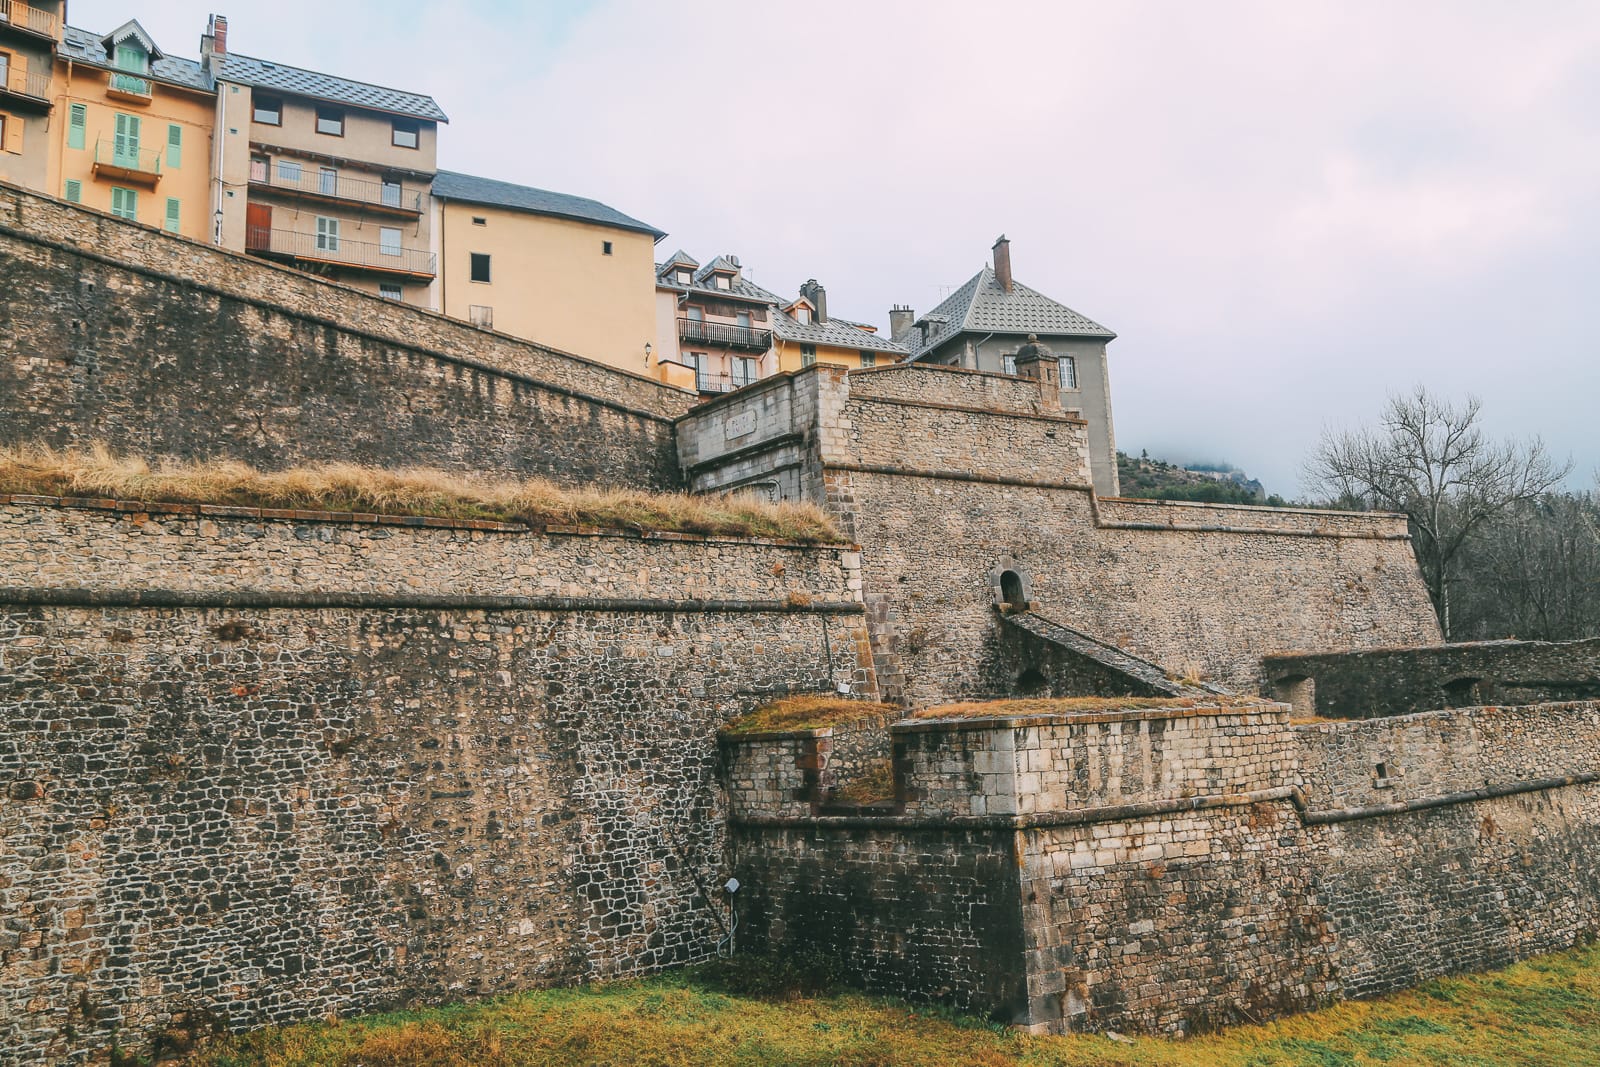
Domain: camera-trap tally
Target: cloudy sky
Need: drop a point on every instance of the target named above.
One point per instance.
(1284, 210)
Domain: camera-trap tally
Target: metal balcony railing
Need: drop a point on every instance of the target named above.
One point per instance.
(130, 84)
(723, 335)
(32, 83)
(340, 251)
(27, 17)
(325, 185)
(707, 382)
(128, 159)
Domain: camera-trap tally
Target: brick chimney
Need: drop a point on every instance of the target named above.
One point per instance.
(1002, 262)
(900, 319)
(214, 42)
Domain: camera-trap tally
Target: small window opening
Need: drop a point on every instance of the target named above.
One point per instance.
(480, 266)
(1461, 693)
(1032, 682)
(605, 248)
(1011, 591)
(479, 220)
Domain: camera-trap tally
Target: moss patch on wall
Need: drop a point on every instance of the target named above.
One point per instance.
(807, 711)
(349, 487)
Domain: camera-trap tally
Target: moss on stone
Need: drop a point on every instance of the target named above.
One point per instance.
(806, 711)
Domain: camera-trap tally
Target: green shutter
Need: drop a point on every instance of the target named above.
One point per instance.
(125, 150)
(125, 203)
(174, 146)
(76, 123)
(74, 191)
(172, 213)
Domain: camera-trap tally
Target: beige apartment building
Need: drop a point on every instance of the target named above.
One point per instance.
(565, 271)
(29, 35)
(330, 175)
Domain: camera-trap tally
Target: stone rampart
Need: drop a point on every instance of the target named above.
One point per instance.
(1184, 868)
(267, 768)
(1396, 681)
(157, 344)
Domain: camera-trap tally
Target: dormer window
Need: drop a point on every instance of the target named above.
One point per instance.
(330, 120)
(685, 277)
(724, 281)
(802, 315)
(132, 58)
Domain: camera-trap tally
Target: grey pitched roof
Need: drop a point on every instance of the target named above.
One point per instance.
(722, 263)
(678, 258)
(982, 306)
(742, 287)
(841, 333)
(84, 46)
(449, 185)
(267, 75)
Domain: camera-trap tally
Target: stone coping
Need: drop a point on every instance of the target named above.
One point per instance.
(954, 723)
(1381, 723)
(228, 511)
(1150, 502)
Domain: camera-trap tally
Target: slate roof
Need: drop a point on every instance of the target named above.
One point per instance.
(268, 75)
(840, 333)
(680, 258)
(746, 290)
(982, 306)
(84, 46)
(449, 185)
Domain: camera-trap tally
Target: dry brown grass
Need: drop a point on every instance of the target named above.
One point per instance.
(341, 487)
(1009, 709)
(877, 783)
(807, 711)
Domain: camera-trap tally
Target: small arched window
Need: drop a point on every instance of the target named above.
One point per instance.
(1011, 591)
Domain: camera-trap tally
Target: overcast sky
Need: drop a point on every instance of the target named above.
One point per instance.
(1285, 210)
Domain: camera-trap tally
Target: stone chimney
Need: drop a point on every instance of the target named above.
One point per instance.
(900, 319)
(214, 42)
(1002, 262)
(818, 297)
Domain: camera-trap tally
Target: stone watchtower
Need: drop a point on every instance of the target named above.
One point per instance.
(1035, 360)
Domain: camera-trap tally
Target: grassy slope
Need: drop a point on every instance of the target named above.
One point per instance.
(1544, 1013)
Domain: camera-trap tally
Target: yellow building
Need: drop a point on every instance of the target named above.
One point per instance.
(560, 270)
(803, 333)
(29, 33)
(132, 130)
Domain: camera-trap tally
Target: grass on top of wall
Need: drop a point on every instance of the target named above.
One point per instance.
(341, 487)
(1016, 709)
(1543, 1012)
(805, 711)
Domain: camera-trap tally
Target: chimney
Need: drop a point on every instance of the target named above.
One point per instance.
(214, 42)
(1002, 262)
(900, 320)
(819, 297)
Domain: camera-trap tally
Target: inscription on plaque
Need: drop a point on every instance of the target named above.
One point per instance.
(740, 424)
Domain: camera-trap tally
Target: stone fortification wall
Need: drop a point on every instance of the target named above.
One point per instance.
(228, 793)
(941, 490)
(1396, 681)
(1180, 869)
(151, 343)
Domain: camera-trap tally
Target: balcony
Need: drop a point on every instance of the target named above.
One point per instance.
(121, 161)
(706, 382)
(362, 256)
(18, 17)
(721, 335)
(327, 187)
(25, 88)
(130, 88)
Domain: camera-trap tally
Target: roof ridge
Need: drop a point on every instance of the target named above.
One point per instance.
(324, 74)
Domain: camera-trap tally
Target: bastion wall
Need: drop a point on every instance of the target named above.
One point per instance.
(157, 345)
(257, 767)
(1173, 870)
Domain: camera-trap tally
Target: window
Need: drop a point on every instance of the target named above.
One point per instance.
(1069, 372)
(869, 359)
(723, 281)
(268, 110)
(391, 193)
(74, 191)
(259, 168)
(696, 314)
(1008, 364)
(808, 355)
(170, 224)
(3, 132)
(744, 319)
(327, 234)
(685, 277)
(328, 181)
(480, 316)
(605, 248)
(132, 57)
(744, 371)
(697, 360)
(289, 171)
(174, 146)
(480, 266)
(124, 203)
(406, 133)
(5, 69)
(389, 240)
(77, 122)
(479, 220)
(330, 120)
(389, 290)
(125, 145)
(802, 316)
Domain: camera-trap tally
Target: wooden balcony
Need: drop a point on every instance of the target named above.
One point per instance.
(126, 163)
(25, 89)
(339, 252)
(318, 186)
(18, 18)
(129, 88)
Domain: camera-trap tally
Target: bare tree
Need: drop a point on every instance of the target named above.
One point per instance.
(1533, 572)
(1429, 459)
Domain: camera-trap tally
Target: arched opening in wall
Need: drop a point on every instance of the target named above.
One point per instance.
(1011, 592)
(1462, 693)
(1299, 692)
(1032, 683)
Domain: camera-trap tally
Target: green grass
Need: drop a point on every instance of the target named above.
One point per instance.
(1543, 1013)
